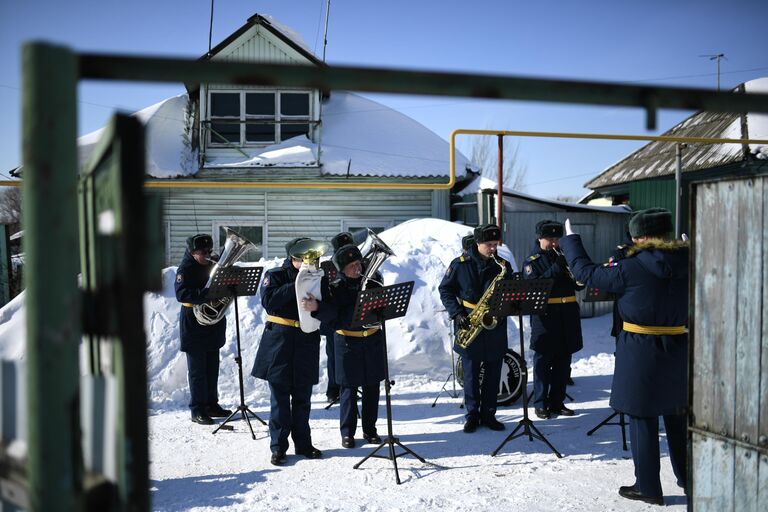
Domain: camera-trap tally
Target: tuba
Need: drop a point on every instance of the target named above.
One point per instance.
(309, 278)
(214, 310)
(479, 318)
(374, 252)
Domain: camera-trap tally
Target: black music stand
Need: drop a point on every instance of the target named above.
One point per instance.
(600, 295)
(522, 297)
(451, 375)
(376, 306)
(237, 282)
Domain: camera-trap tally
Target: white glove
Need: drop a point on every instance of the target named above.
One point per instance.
(684, 237)
(568, 229)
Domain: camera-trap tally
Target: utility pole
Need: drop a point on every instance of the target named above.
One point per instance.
(717, 57)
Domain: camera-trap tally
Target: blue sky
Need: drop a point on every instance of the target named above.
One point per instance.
(649, 42)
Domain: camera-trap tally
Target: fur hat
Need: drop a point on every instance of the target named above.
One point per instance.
(653, 222)
(467, 241)
(346, 255)
(487, 233)
(291, 243)
(549, 229)
(342, 239)
(200, 242)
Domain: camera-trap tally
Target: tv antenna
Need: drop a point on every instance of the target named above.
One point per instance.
(717, 57)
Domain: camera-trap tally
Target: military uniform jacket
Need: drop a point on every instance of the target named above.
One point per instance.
(650, 377)
(286, 355)
(360, 361)
(467, 277)
(557, 331)
(191, 278)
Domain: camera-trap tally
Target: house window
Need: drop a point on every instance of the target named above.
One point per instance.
(253, 231)
(259, 117)
(375, 225)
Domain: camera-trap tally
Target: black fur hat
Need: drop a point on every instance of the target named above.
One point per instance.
(549, 229)
(652, 222)
(346, 255)
(291, 243)
(467, 241)
(342, 239)
(199, 242)
(487, 233)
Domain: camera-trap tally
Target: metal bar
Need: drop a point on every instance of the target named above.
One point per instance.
(499, 185)
(53, 300)
(760, 448)
(157, 69)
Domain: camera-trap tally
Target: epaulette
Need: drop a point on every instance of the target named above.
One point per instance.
(533, 257)
(621, 247)
(463, 258)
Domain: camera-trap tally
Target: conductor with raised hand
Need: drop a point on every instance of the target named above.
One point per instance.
(650, 377)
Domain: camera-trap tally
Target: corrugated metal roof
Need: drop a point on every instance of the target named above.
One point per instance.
(658, 158)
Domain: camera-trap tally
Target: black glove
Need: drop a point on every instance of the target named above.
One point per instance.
(462, 321)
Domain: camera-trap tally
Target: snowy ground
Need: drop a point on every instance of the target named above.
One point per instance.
(194, 470)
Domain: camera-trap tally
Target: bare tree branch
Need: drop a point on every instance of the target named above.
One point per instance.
(485, 155)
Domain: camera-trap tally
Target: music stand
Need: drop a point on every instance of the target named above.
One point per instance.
(236, 282)
(522, 297)
(376, 306)
(451, 375)
(600, 295)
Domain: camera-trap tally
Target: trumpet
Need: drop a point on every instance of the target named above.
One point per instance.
(560, 253)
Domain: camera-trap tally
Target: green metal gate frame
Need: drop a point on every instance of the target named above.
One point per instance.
(54, 301)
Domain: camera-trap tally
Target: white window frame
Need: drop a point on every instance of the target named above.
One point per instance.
(369, 223)
(278, 117)
(240, 221)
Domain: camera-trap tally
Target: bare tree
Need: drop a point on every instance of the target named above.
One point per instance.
(485, 154)
(10, 207)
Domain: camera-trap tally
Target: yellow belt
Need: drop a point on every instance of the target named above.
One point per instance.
(562, 300)
(187, 304)
(358, 334)
(657, 330)
(282, 321)
(468, 304)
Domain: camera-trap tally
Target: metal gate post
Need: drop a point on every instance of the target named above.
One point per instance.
(53, 322)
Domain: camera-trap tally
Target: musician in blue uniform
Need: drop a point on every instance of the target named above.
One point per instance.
(650, 376)
(360, 352)
(333, 389)
(556, 333)
(463, 284)
(289, 359)
(200, 343)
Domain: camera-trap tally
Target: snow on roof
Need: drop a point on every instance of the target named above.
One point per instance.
(168, 153)
(483, 183)
(360, 138)
(658, 158)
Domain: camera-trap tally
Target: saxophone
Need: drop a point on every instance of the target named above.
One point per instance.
(477, 319)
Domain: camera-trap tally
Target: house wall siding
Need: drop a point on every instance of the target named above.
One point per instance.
(286, 214)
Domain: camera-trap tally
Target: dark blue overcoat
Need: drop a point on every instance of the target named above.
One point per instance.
(286, 355)
(558, 330)
(467, 277)
(650, 377)
(191, 277)
(359, 361)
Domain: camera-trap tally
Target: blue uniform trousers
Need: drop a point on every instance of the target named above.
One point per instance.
(480, 400)
(550, 378)
(348, 409)
(203, 376)
(644, 439)
(289, 414)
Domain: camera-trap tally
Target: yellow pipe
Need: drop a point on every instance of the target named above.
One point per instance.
(603, 136)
